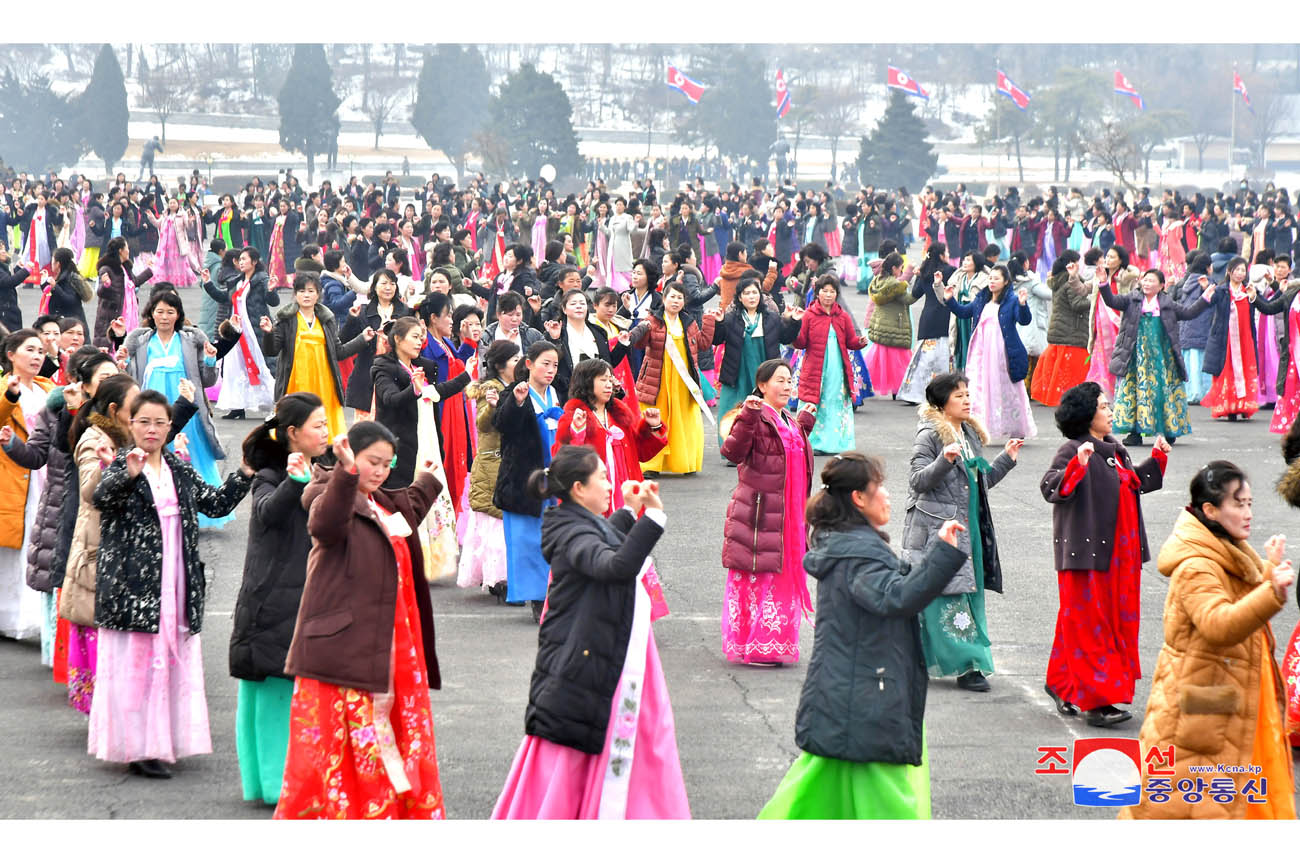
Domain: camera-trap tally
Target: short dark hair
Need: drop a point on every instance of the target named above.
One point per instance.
(734, 249)
(832, 508)
(1078, 407)
(509, 302)
(42, 321)
(582, 382)
(1210, 486)
(941, 388)
(814, 251)
(333, 258)
(572, 464)
(166, 296)
(150, 397)
(495, 359)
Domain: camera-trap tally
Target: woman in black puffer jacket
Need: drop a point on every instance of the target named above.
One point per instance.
(280, 451)
(859, 723)
(599, 738)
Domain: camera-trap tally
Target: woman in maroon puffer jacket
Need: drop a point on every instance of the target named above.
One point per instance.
(764, 539)
(826, 378)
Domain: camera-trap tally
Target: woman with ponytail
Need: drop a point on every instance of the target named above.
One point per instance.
(599, 739)
(859, 722)
(280, 451)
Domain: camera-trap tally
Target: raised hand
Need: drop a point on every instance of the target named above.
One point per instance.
(719, 314)
(1013, 448)
(210, 350)
(205, 275)
(1283, 576)
(1162, 445)
(186, 388)
(952, 452)
(104, 453)
(938, 278)
(73, 397)
(355, 309)
(753, 402)
(521, 393)
(948, 532)
(1275, 549)
(118, 326)
(6, 435)
(552, 329)
(492, 395)
(235, 323)
(182, 443)
(652, 417)
(1085, 452)
(418, 379)
(135, 460)
(948, 292)
(298, 464)
(1023, 296)
(650, 495)
(579, 422)
(369, 334)
(343, 452)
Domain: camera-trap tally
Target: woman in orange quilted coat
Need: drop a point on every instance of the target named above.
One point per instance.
(1217, 695)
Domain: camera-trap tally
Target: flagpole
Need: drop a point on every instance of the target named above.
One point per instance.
(997, 123)
(668, 119)
(1232, 132)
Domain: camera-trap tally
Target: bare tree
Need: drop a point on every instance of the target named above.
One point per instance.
(381, 101)
(1271, 109)
(1115, 151)
(838, 109)
(165, 89)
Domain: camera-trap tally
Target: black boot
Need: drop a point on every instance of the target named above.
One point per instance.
(1133, 438)
(973, 681)
(1105, 717)
(233, 415)
(150, 769)
(1063, 707)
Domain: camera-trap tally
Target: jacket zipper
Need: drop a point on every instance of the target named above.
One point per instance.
(758, 512)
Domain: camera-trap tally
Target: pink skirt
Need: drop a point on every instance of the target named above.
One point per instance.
(482, 550)
(1267, 355)
(887, 366)
(83, 642)
(553, 782)
(1103, 344)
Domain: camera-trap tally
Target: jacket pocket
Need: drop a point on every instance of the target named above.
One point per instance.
(1203, 716)
(936, 510)
(327, 624)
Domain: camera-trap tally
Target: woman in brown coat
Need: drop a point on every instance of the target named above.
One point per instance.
(763, 539)
(361, 731)
(1217, 695)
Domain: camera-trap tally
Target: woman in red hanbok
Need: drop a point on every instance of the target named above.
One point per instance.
(363, 752)
(594, 417)
(456, 415)
(1100, 546)
(1230, 354)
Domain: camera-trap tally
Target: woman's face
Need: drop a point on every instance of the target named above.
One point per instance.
(27, 358)
(312, 439)
(409, 346)
(638, 277)
(673, 302)
(778, 389)
(508, 260)
(386, 289)
(73, 338)
(390, 262)
(605, 309)
(873, 504)
(827, 295)
(575, 308)
(958, 406)
(668, 266)
(968, 264)
(603, 388)
(508, 370)
(997, 282)
(441, 325)
(246, 263)
(1102, 418)
(541, 372)
(1150, 285)
(149, 427)
(594, 493)
(749, 298)
(1234, 513)
(164, 316)
(438, 283)
(1112, 260)
(1238, 274)
(123, 413)
(471, 329)
(373, 465)
(102, 372)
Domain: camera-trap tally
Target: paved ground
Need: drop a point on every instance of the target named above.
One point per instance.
(735, 725)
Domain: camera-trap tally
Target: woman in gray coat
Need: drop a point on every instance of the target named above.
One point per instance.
(946, 457)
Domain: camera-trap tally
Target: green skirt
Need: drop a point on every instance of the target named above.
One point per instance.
(262, 736)
(954, 634)
(731, 396)
(1151, 398)
(817, 788)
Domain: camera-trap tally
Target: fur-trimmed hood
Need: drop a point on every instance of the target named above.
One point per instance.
(935, 419)
(1288, 486)
(120, 435)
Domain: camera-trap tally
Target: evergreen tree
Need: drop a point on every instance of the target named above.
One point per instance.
(309, 120)
(102, 109)
(735, 113)
(451, 100)
(896, 153)
(38, 128)
(533, 118)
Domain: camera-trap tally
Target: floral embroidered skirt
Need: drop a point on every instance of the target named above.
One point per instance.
(1291, 676)
(820, 788)
(1151, 399)
(554, 782)
(954, 635)
(931, 358)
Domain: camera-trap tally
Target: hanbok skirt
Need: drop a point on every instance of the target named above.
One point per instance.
(22, 609)
(1222, 397)
(88, 264)
(930, 359)
(1198, 381)
(483, 550)
(262, 736)
(1150, 398)
(527, 573)
(553, 782)
(1291, 677)
(1266, 359)
(1059, 369)
(820, 788)
(1103, 345)
(888, 366)
(954, 634)
(679, 411)
(83, 645)
(1001, 404)
(833, 431)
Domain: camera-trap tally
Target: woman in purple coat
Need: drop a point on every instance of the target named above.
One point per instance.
(764, 539)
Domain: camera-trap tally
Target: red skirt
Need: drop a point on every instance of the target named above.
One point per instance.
(1058, 370)
(1291, 676)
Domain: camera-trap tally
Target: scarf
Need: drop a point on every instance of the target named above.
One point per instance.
(1234, 341)
(245, 350)
(684, 373)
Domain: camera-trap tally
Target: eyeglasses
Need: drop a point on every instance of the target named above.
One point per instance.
(151, 423)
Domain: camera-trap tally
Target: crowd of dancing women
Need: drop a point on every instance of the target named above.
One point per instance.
(522, 365)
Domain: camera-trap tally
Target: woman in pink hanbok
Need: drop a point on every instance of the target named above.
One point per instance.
(599, 735)
(1267, 362)
(171, 264)
(1103, 322)
(149, 706)
(763, 539)
(1173, 258)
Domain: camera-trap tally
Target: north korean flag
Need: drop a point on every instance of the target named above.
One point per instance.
(1008, 88)
(782, 94)
(900, 80)
(1124, 86)
(689, 88)
(1239, 86)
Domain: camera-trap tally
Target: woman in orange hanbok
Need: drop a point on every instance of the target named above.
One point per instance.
(361, 739)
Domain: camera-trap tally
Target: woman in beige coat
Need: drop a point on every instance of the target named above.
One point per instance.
(1217, 696)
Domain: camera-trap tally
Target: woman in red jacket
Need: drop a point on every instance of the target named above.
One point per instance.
(764, 539)
(594, 417)
(828, 334)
